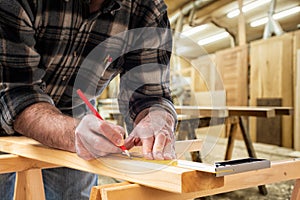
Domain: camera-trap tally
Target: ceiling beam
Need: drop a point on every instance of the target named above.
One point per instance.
(241, 25)
(206, 11)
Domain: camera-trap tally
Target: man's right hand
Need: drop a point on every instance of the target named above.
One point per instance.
(95, 138)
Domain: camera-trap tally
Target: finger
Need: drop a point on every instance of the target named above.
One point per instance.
(147, 145)
(112, 133)
(137, 142)
(81, 151)
(169, 151)
(97, 144)
(120, 129)
(109, 131)
(129, 142)
(159, 145)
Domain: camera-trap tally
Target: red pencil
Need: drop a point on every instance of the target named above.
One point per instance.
(91, 107)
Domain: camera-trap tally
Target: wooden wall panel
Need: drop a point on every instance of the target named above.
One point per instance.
(203, 74)
(271, 77)
(297, 105)
(233, 66)
(297, 90)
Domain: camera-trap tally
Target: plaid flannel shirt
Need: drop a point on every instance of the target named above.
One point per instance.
(43, 43)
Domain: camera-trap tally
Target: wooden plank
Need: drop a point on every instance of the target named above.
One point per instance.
(164, 177)
(180, 146)
(188, 146)
(221, 112)
(29, 185)
(204, 77)
(233, 67)
(297, 106)
(251, 111)
(226, 111)
(14, 163)
(202, 74)
(284, 110)
(279, 171)
(205, 111)
(96, 190)
(268, 130)
(271, 77)
(202, 111)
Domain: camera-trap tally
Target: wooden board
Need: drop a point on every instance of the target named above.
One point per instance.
(221, 112)
(180, 147)
(297, 106)
(96, 190)
(164, 177)
(14, 163)
(284, 110)
(271, 77)
(204, 75)
(268, 130)
(296, 47)
(233, 67)
(279, 171)
(204, 111)
(214, 111)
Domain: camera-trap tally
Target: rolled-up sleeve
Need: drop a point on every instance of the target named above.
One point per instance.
(20, 74)
(145, 80)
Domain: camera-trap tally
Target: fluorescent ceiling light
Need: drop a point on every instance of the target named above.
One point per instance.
(247, 8)
(259, 22)
(213, 38)
(286, 13)
(194, 30)
(276, 16)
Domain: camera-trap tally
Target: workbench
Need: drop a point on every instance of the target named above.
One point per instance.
(27, 157)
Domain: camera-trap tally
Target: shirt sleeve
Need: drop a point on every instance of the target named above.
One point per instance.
(145, 80)
(20, 74)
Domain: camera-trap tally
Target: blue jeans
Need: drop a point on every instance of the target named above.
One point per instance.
(59, 183)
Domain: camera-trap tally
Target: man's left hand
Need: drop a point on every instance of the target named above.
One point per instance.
(155, 133)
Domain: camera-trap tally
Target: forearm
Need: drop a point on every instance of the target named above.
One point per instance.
(46, 124)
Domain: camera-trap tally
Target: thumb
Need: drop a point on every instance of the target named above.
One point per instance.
(129, 141)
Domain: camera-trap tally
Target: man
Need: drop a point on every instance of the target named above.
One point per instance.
(42, 46)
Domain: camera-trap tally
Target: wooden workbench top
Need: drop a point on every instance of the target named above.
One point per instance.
(162, 176)
(217, 111)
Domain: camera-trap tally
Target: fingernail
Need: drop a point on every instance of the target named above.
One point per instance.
(148, 156)
(120, 142)
(168, 156)
(159, 156)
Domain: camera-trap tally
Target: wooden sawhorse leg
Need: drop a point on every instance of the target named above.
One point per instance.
(29, 182)
(296, 191)
(248, 142)
(29, 185)
(187, 130)
(231, 137)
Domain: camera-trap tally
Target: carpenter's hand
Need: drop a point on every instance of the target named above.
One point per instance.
(155, 132)
(95, 138)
